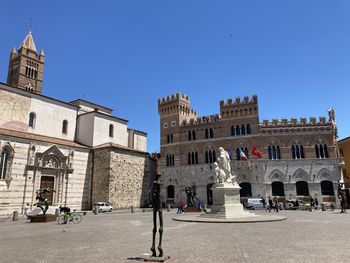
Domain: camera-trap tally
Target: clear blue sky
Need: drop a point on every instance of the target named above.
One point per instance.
(295, 55)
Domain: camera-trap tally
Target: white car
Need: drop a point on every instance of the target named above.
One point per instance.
(103, 207)
(254, 203)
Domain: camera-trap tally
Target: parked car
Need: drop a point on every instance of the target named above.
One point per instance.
(103, 207)
(254, 203)
(293, 204)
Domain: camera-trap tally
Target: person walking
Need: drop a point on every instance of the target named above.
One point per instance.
(275, 201)
(270, 204)
(316, 203)
(263, 202)
(26, 209)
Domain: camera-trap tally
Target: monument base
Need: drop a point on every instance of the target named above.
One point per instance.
(42, 218)
(192, 210)
(226, 202)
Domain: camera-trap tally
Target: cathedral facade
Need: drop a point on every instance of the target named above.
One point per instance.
(77, 148)
(286, 158)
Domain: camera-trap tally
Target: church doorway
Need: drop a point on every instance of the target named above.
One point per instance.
(48, 182)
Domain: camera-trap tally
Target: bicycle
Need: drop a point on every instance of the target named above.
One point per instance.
(68, 217)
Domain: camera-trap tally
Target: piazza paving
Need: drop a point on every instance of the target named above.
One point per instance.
(318, 236)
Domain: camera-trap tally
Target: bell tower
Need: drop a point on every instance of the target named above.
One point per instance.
(26, 66)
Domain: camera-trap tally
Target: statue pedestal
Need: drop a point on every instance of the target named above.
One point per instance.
(42, 218)
(226, 202)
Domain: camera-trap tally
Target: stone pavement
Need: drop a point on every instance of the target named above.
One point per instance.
(114, 237)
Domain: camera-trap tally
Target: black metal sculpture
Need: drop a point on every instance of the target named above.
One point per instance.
(157, 208)
(190, 197)
(341, 197)
(42, 201)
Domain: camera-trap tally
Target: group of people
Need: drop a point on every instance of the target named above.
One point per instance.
(272, 204)
(181, 206)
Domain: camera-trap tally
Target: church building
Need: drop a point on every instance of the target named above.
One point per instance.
(78, 148)
(287, 158)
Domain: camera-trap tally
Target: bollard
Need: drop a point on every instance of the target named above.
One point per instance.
(132, 209)
(15, 216)
(168, 208)
(323, 207)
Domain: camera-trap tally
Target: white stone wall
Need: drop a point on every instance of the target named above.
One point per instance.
(85, 129)
(24, 182)
(140, 142)
(101, 131)
(50, 116)
(15, 108)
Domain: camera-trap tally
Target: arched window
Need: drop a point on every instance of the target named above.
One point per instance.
(246, 151)
(31, 120)
(274, 155)
(321, 151)
(297, 151)
(206, 133)
(171, 192)
(233, 131)
(65, 127)
(4, 162)
(170, 160)
(192, 158)
(209, 194)
(278, 152)
(327, 188)
(277, 189)
(192, 135)
(269, 151)
(325, 151)
(211, 133)
(238, 130)
(246, 190)
(243, 129)
(248, 129)
(111, 130)
(302, 152)
(302, 188)
(210, 156)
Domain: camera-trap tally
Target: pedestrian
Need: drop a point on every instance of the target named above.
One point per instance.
(270, 203)
(275, 201)
(26, 208)
(312, 204)
(263, 202)
(316, 203)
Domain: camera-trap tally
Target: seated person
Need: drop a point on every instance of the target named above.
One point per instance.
(64, 209)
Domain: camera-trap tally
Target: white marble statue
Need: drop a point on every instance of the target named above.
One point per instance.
(224, 165)
(220, 174)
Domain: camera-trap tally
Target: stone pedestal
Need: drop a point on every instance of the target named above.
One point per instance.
(226, 202)
(42, 218)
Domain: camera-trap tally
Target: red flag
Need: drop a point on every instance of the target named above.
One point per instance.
(255, 151)
(243, 157)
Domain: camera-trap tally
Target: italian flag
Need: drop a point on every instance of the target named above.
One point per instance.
(242, 155)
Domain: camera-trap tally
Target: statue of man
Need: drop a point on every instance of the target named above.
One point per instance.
(224, 165)
(220, 174)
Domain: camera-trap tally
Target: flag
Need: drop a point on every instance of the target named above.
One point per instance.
(243, 157)
(255, 151)
(230, 152)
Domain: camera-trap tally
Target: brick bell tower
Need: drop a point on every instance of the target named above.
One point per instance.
(26, 66)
